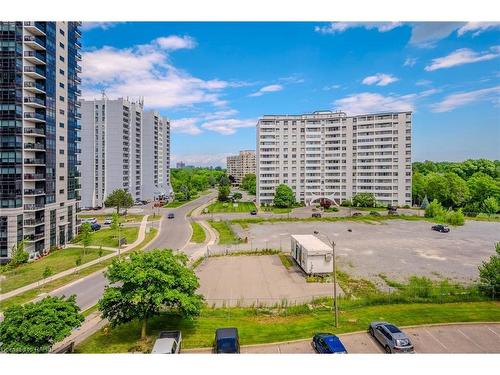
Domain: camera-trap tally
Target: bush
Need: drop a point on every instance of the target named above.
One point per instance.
(455, 217)
(435, 210)
(364, 200)
(346, 203)
(374, 213)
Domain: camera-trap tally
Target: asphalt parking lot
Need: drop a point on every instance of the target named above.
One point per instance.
(439, 339)
(396, 248)
(247, 280)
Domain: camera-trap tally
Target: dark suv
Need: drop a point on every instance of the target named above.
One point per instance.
(440, 228)
(226, 341)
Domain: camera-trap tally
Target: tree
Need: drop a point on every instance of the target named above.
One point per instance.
(115, 226)
(36, 327)
(419, 184)
(150, 282)
(489, 272)
(434, 210)
(86, 236)
(436, 187)
(249, 183)
(482, 186)
(457, 192)
(284, 197)
(47, 272)
(325, 203)
(119, 198)
(425, 203)
(490, 206)
(237, 196)
(455, 217)
(185, 193)
(364, 200)
(224, 192)
(224, 181)
(19, 255)
(78, 262)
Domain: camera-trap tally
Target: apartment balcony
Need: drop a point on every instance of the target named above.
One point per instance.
(78, 45)
(34, 102)
(78, 92)
(34, 146)
(78, 80)
(78, 32)
(34, 176)
(34, 117)
(34, 237)
(34, 162)
(78, 68)
(78, 104)
(34, 42)
(34, 87)
(34, 222)
(35, 57)
(78, 56)
(78, 162)
(34, 192)
(34, 132)
(35, 72)
(36, 28)
(34, 207)
(78, 115)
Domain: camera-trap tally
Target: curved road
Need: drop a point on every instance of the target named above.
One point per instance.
(175, 234)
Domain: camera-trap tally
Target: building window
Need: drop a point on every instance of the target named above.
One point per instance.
(61, 58)
(61, 124)
(61, 71)
(61, 98)
(61, 85)
(61, 31)
(61, 44)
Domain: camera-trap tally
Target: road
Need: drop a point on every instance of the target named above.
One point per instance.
(175, 234)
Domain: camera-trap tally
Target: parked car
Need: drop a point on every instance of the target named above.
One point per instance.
(357, 214)
(168, 342)
(327, 343)
(441, 228)
(171, 215)
(253, 212)
(226, 341)
(390, 337)
(108, 221)
(90, 220)
(95, 226)
(316, 214)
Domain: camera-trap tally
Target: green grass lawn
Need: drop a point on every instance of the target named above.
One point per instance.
(221, 207)
(257, 326)
(108, 238)
(175, 204)
(57, 261)
(226, 234)
(129, 218)
(198, 233)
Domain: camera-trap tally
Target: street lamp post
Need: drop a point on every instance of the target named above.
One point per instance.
(336, 310)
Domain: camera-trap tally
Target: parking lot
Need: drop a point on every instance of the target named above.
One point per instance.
(396, 248)
(439, 339)
(247, 280)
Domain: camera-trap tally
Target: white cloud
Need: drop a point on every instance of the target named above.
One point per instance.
(174, 42)
(340, 27)
(145, 70)
(331, 87)
(460, 99)
(228, 126)
(86, 26)
(462, 56)
(367, 102)
(426, 34)
(186, 126)
(410, 61)
(477, 27)
(423, 82)
(379, 79)
(266, 89)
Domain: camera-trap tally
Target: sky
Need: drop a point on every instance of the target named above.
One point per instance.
(214, 80)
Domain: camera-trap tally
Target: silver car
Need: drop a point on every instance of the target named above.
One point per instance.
(390, 337)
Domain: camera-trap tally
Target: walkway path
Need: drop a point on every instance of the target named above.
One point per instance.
(140, 238)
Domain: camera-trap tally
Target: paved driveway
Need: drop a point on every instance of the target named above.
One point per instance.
(456, 338)
(255, 279)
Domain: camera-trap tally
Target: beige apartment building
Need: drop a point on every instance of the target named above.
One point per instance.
(330, 155)
(240, 165)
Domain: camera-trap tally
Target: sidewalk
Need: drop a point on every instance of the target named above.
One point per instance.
(140, 238)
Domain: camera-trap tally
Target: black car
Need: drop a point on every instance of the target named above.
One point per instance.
(357, 214)
(316, 214)
(227, 341)
(253, 212)
(441, 228)
(95, 227)
(171, 215)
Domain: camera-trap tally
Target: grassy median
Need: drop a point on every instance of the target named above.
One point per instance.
(226, 233)
(266, 325)
(198, 233)
(221, 207)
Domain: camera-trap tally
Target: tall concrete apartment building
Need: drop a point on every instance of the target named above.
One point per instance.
(126, 148)
(39, 128)
(334, 156)
(240, 165)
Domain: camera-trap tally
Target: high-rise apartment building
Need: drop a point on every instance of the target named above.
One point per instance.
(240, 165)
(39, 128)
(127, 147)
(334, 156)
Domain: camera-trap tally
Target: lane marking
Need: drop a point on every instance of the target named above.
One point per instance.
(468, 338)
(493, 331)
(435, 339)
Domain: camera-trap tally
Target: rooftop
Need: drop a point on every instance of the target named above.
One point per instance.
(312, 243)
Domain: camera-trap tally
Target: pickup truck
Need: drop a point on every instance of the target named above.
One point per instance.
(168, 342)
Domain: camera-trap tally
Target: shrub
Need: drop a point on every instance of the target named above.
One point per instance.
(435, 210)
(346, 203)
(364, 200)
(455, 217)
(374, 213)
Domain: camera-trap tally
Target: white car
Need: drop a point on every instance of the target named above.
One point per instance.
(90, 220)
(108, 221)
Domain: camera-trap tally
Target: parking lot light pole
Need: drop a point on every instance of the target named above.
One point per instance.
(332, 244)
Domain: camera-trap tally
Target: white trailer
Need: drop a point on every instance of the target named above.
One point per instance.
(311, 254)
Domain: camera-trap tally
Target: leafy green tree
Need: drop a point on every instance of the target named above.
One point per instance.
(436, 187)
(249, 183)
(455, 217)
(224, 181)
(224, 191)
(435, 210)
(489, 272)
(457, 192)
(284, 197)
(115, 226)
(19, 255)
(237, 196)
(482, 186)
(119, 198)
(490, 206)
(86, 236)
(150, 282)
(47, 272)
(36, 327)
(364, 200)
(186, 192)
(78, 262)
(419, 185)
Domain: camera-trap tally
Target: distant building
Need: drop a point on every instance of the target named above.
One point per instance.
(329, 155)
(180, 165)
(240, 165)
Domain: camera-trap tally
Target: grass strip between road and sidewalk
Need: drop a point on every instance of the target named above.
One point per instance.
(226, 233)
(199, 235)
(50, 286)
(266, 325)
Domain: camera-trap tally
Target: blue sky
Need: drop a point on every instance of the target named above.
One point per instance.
(214, 80)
